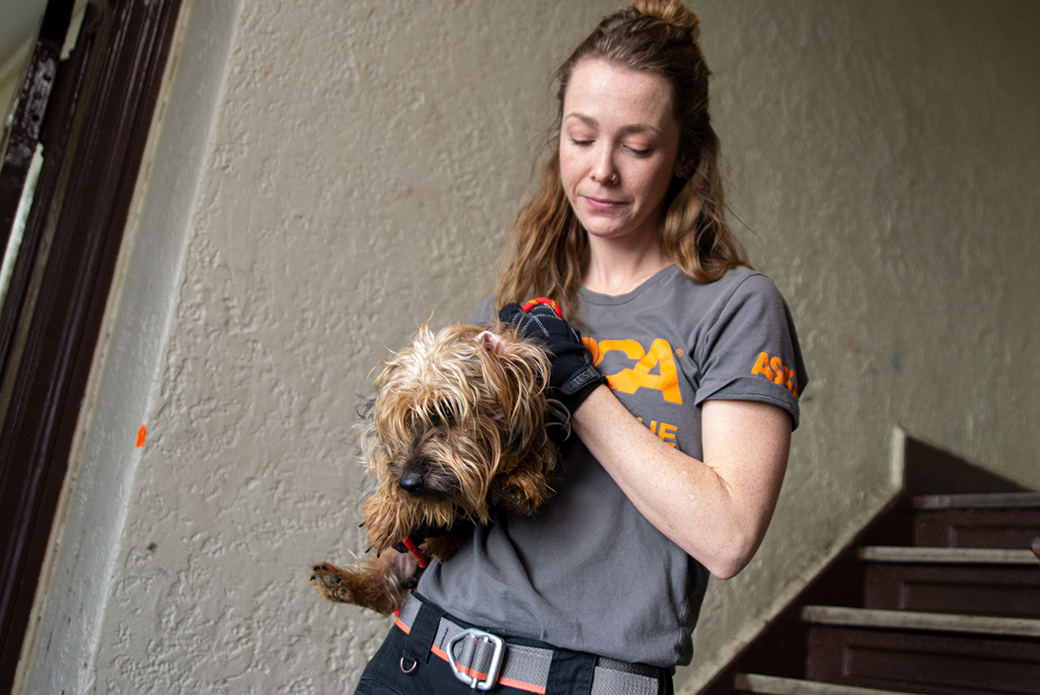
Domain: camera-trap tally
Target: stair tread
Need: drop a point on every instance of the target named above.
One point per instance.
(910, 620)
(966, 556)
(775, 685)
(1000, 500)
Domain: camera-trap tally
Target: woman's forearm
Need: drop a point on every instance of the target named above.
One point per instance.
(717, 509)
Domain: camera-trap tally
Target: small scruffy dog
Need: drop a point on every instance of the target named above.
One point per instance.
(457, 428)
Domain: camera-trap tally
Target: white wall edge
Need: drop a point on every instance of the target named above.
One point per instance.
(61, 642)
(897, 459)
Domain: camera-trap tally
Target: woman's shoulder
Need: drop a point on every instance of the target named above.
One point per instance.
(485, 311)
(739, 282)
(742, 299)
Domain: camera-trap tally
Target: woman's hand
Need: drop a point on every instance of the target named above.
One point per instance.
(573, 376)
(718, 509)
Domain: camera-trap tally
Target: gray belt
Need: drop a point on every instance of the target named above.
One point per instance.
(483, 660)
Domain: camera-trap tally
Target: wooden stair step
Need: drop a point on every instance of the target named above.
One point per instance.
(775, 685)
(919, 621)
(1002, 500)
(964, 556)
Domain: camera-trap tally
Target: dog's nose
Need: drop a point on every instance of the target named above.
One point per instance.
(411, 482)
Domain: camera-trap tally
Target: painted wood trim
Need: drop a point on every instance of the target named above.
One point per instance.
(94, 132)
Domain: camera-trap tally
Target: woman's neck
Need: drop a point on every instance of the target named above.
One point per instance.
(615, 269)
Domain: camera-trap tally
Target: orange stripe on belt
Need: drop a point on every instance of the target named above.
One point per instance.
(508, 682)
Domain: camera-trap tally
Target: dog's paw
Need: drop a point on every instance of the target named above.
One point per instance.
(522, 494)
(521, 504)
(331, 583)
(375, 585)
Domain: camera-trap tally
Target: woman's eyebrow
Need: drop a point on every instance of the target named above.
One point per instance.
(631, 128)
(587, 120)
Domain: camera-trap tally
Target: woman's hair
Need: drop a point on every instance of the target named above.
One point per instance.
(549, 251)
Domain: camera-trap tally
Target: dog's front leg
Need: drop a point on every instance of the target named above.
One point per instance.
(389, 516)
(378, 584)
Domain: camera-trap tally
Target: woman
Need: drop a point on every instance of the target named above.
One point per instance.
(681, 452)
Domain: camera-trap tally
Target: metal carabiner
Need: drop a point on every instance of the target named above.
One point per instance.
(493, 668)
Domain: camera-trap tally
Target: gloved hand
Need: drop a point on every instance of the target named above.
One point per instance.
(573, 376)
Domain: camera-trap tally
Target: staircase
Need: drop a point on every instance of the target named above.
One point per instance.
(940, 595)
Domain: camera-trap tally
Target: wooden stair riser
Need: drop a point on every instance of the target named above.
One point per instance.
(981, 528)
(923, 662)
(1006, 591)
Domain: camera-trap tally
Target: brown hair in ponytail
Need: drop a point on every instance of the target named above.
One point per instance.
(549, 248)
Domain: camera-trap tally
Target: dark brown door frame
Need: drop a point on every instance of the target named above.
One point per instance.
(93, 129)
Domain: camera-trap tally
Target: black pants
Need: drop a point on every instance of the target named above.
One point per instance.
(428, 674)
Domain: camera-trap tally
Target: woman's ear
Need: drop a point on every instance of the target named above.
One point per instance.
(686, 162)
(682, 170)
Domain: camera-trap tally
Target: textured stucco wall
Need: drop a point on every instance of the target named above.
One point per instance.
(366, 161)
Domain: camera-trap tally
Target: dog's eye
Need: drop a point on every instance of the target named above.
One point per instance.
(444, 414)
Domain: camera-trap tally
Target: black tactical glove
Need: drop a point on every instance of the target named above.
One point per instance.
(573, 376)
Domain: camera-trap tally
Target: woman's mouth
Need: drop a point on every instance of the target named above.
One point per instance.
(601, 204)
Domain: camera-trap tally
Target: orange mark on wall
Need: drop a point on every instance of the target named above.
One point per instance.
(140, 436)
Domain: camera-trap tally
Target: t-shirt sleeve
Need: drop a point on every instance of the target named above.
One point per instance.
(484, 313)
(750, 351)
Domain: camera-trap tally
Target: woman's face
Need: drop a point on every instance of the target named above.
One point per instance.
(619, 142)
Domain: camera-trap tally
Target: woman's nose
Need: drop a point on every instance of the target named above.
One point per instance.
(603, 171)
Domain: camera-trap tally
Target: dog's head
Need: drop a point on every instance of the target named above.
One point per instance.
(454, 411)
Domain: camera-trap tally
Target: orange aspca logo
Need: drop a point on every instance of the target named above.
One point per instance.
(776, 371)
(628, 380)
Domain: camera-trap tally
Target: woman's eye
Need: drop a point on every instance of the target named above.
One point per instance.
(580, 143)
(639, 152)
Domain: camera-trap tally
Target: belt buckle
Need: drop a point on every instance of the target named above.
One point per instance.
(496, 658)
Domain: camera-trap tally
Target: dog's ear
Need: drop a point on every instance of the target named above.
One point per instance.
(516, 371)
(493, 341)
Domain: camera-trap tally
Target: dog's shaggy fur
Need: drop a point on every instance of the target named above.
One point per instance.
(457, 428)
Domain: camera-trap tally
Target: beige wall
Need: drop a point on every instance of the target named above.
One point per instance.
(363, 163)
(12, 66)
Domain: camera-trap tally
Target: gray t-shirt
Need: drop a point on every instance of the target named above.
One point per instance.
(588, 572)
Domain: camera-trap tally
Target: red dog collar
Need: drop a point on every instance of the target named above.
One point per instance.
(421, 555)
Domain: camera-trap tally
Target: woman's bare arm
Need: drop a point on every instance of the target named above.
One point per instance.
(717, 509)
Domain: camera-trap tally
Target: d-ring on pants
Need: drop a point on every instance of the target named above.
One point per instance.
(429, 652)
